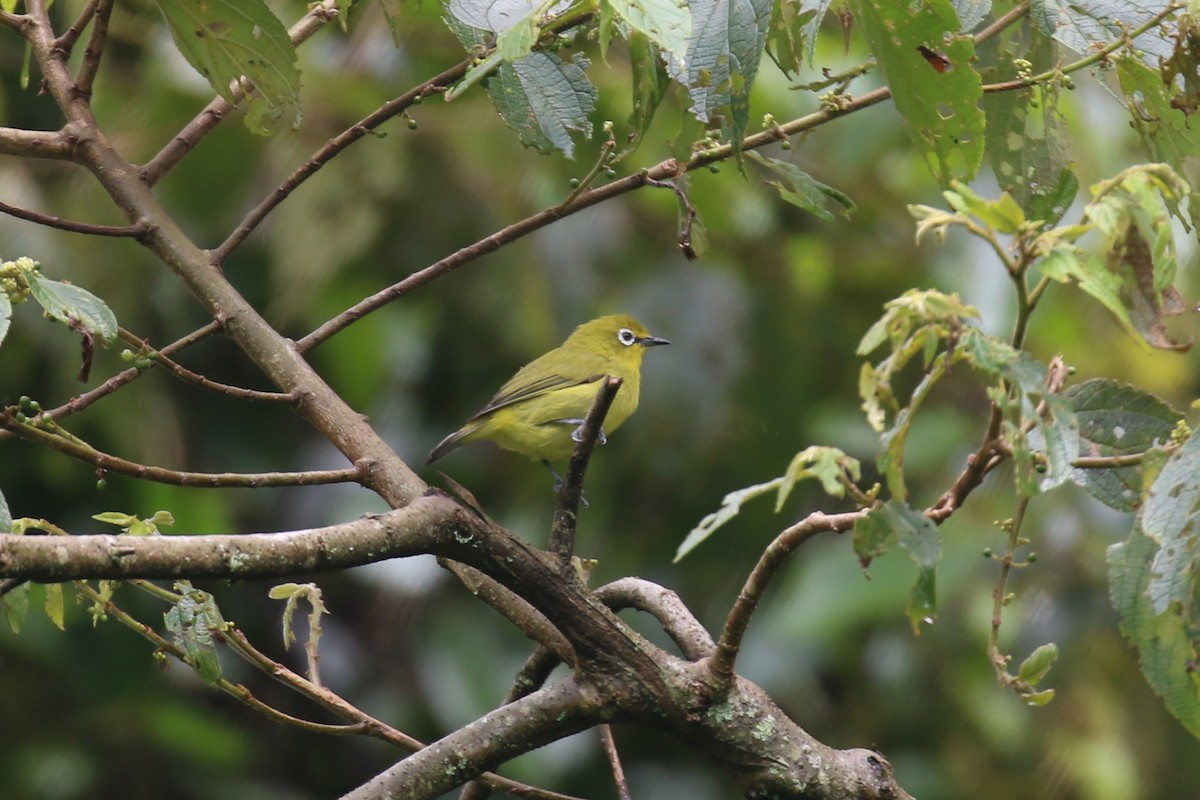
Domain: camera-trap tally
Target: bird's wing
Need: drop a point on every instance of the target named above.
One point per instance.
(517, 390)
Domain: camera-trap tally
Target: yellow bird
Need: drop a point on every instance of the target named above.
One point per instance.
(539, 413)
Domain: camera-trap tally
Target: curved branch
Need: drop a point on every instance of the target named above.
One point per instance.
(665, 606)
(203, 123)
(203, 480)
(720, 665)
(130, 231)
(183, 373)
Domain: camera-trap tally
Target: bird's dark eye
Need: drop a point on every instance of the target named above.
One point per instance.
(626, 336)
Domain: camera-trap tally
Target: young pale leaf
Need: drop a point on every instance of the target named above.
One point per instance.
(5, 315)
(53, 605)
(1002, 214)
(1117, 419)
(804, 191)
(730, 506)
(1035, 668)
(193, 623)
(16, 607)
(726, 43)
(1153, 582)
(667, 23)
(227, 39)
(895, 522)
(829, 465)
(78, 308)
(940, 107)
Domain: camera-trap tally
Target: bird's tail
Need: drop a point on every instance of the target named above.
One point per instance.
(451, 442)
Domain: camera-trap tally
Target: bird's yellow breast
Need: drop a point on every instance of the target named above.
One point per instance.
(538, 428)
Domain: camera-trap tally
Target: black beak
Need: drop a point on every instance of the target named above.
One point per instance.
(652, 341)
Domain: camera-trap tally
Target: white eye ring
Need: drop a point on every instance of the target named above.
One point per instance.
(626, 337)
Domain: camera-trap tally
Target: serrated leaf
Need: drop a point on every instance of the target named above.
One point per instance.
(1152, 578)
(971, 13)
(5, 315)
(1157, 109)
(1083, 25)
(940, 108)
(16, 607)
(725, 46)
(78, 308)
(895, 522)
(1117, 419)
(544, 99)
(226, 39)
(53, 605)
(804, 191)
(667, 23)
(731, 505)
(193, 622)
(650, 83)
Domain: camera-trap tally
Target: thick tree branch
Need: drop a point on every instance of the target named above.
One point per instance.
(36, 144)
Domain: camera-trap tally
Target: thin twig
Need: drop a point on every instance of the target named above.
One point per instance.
(206, 480)
(183, 373)
(562, 529)
(82, 401)
(130, 231)
(721, 663)
(94, 50)
(66, 43)
(212, 114)
(331, 148)
(999, 593)
(614, 762)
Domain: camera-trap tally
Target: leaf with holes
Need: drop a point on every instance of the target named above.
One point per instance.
(77, 308)
(194, 623)
(226, 40)
(1084, 25)
(940, 108)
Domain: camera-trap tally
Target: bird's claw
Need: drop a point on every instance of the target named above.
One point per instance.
(577, 435)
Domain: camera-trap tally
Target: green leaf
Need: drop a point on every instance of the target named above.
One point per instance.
(5, 516)
(1117, 419)
(227, 39)
(650, 83)
(16, 606)
(1003, 214)
(940, 109)
(725, 46)
(971, 12)
(54, 605)
(731, 505)
(5, 315)
(666, 23)
(194, 622)
(1084, 25)
(77, 308)
(519, 38)
(544, 99)
(1034, 668)
(829, 465)
(118, 518)
(804, 191)
(1152, 577)
(895, 522)
(1157, 111)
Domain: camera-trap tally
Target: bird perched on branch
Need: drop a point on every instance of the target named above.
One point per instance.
(539, 413)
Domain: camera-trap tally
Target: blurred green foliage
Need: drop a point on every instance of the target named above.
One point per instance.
(763, 365)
